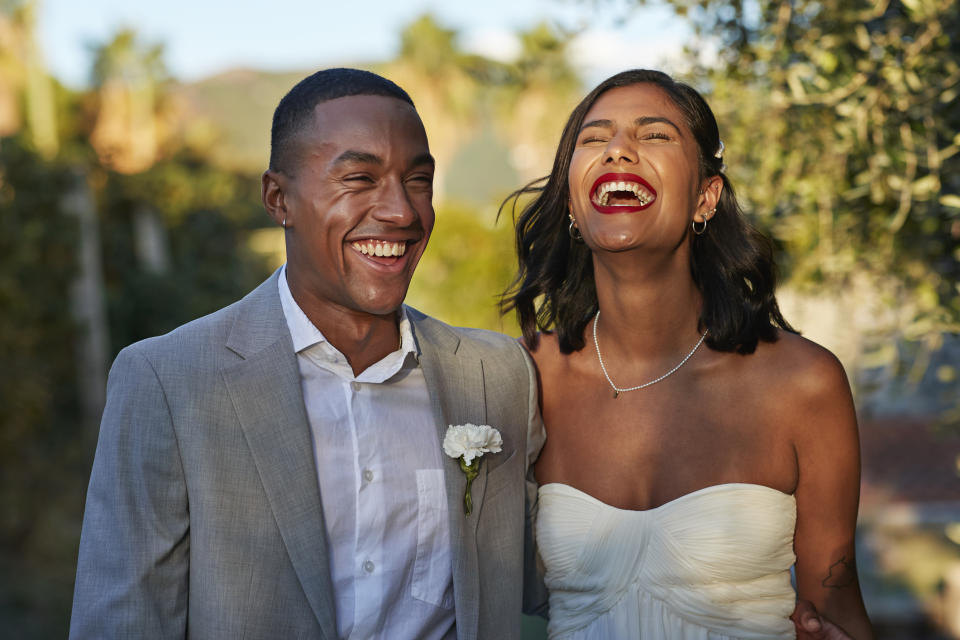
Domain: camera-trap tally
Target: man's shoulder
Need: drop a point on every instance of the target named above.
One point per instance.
(208, 328)
(192, 339)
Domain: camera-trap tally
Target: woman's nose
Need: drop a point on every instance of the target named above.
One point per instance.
(620, 149)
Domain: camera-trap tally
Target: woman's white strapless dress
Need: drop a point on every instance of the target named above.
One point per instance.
(710, 565)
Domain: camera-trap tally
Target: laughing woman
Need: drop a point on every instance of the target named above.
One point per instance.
(697, 447)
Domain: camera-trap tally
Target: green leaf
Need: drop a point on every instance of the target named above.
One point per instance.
(925, 186)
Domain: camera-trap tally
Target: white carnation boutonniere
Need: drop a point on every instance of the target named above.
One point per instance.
(468, 442)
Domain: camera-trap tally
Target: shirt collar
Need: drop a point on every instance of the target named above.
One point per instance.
(305, 334)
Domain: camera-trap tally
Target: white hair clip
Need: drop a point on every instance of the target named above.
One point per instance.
(719, 154)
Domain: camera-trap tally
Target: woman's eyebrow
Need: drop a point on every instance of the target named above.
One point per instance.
(645, 120)
(597, 123)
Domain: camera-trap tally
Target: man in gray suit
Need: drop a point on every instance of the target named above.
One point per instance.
(275, 469)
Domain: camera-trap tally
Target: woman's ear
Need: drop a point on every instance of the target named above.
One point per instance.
(708, 198)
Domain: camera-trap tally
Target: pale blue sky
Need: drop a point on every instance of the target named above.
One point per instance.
(203, 37)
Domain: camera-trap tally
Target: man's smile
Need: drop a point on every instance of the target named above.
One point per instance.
(374, 247)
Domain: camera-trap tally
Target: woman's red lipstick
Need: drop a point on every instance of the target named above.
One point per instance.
(640, 188)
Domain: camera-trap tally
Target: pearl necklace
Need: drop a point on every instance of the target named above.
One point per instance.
(617, 390)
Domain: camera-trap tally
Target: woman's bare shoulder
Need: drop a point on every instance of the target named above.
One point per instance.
(809, 367)
(807, 381)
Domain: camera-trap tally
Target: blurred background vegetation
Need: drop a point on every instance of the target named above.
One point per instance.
(132, 206)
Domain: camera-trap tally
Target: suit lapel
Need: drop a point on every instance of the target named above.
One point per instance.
(266, 392)
(454, 379)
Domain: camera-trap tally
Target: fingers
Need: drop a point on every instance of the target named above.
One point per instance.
(810, 626)
(807, 621)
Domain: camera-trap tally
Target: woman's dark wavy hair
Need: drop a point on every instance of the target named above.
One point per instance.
(731, 263)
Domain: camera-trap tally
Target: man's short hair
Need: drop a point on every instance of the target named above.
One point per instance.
(296, 108)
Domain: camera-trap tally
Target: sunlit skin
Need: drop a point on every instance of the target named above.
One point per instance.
(362, 174)
(781, 417)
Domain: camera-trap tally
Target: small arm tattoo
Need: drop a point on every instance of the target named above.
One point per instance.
(842, 574)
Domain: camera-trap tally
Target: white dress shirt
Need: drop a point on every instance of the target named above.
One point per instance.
(380, 472)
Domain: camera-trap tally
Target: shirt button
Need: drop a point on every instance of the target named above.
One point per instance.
(368, 566)
(368, 475)
(355, 385)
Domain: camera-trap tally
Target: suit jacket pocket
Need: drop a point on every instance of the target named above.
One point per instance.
(432, 569)
(504, 475)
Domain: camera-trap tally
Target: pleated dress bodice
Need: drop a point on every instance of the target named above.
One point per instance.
(711, 565)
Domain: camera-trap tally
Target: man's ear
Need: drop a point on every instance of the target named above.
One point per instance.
(273, 197)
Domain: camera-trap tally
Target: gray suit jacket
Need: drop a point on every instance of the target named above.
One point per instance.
(203, 515)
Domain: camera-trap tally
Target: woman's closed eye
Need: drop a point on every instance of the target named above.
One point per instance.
(593, 140)
(656, 135)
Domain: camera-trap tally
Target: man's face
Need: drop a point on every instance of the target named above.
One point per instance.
(358, 204)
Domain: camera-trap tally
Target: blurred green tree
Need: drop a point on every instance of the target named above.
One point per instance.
(205, 214)
(40, 447)
(26, 90)
(532, 106)
(129, 76)
(470, 260)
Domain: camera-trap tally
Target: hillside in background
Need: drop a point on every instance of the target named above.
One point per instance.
(229, 114)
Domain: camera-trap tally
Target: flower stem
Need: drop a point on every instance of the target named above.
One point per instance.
(471, 471)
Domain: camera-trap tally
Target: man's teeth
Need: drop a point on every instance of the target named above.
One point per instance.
(602, 195)
(379, 248)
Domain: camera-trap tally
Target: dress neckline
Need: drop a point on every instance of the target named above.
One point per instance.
(750, 486)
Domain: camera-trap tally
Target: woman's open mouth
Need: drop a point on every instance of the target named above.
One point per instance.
(621, 193)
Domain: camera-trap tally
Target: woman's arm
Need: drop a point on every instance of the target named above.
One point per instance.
(828, 491)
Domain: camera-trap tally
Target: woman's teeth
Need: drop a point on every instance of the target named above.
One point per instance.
(602, 195)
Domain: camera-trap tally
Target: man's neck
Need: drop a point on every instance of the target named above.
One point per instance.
(362, 338)
(365, 342)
